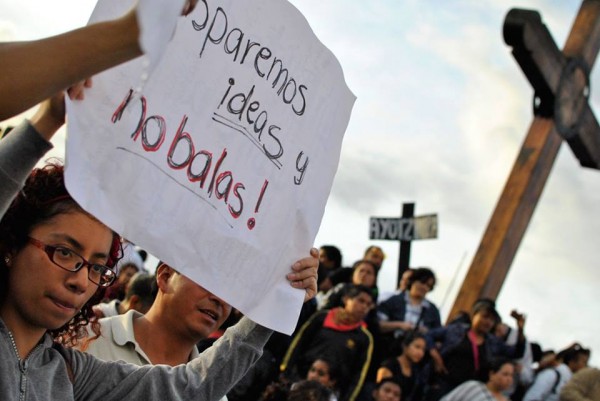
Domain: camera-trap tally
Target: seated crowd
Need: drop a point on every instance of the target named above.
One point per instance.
(362, 345)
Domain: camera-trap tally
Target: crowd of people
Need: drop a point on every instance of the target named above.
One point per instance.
(365, 346)
(475, 356)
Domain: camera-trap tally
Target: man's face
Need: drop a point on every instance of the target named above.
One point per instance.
(375, 255)
(359, 306)
(579, 363)
(387, 392)
(196, 311)
(324, 259)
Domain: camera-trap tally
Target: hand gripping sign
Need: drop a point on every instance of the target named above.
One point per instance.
(222, 165)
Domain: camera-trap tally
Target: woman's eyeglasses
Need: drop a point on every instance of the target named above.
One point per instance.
(70, 260)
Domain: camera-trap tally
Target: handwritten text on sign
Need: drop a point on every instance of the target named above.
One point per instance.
(223, 165)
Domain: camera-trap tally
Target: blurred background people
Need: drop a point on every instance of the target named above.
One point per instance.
(500, 377)
(405, 368)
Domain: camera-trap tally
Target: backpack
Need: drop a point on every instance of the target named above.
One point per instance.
(556, 381)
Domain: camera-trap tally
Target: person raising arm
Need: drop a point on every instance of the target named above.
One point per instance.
(35, 70)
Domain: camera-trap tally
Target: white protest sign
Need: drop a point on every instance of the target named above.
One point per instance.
(223, 166)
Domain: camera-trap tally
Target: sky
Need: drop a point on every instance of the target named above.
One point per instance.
(442, 109)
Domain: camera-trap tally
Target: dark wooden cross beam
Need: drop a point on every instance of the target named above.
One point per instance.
(561, 111)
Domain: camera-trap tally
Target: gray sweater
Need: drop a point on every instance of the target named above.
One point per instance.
(19, 153)
(43, 375)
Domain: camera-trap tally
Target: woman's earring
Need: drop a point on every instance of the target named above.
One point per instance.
(7, 260)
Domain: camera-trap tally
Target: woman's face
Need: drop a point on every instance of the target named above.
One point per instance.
(415, 350)
(364, 274)
(419, 289)
(483, 321)
(43, 296)
(319, 371)
(503, 378)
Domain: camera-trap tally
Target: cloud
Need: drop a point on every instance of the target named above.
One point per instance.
(7, 30)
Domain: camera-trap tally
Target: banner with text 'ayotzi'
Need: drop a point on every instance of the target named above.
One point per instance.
(221, 165)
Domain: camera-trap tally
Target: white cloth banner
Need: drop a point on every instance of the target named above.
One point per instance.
(223, 166)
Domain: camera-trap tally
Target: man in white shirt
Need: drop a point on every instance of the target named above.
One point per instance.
(549, 382)
(182, 314)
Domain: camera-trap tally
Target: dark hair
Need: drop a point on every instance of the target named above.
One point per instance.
(370, 248)
(462, 317)
(410, 337)
(368, 262)
(495, 364)
(309, 390)
(536, 351)
(354, 290)
(332, 368)
(573, 353)
(342, 275)
(423, 275)
(304, 390)
(276, 391)
(144, 286)
(43, 197)
(486, 305)
(334, 254)
(388, 380)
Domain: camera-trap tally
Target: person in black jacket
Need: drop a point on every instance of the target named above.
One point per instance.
(340, 335)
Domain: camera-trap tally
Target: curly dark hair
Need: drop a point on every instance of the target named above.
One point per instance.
(43, 197)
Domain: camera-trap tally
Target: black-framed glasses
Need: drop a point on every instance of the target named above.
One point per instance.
(70, 260)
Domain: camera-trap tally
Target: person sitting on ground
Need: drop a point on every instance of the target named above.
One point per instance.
(500, 378)
(340, 335)
(461, 352)
(374, 254)
(305, 390)
(405, 368)
(387, 389)
(547, 360)
(410, 310)
(327, 373)
(524, 366)
(549, 382)
(583, 386)
(364, 273)
(140, 295)
(321, 370)
(130, 264)
(330, 261)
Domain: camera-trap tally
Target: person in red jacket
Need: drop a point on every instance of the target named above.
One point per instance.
(339, 334)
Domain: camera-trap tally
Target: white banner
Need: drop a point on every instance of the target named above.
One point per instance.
(223, 166)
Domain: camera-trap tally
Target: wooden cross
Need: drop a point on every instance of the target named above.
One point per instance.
(561, 111)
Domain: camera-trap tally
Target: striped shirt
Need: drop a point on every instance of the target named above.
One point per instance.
(472, 390)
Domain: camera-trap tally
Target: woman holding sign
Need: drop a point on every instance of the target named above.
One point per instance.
(55, 262)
